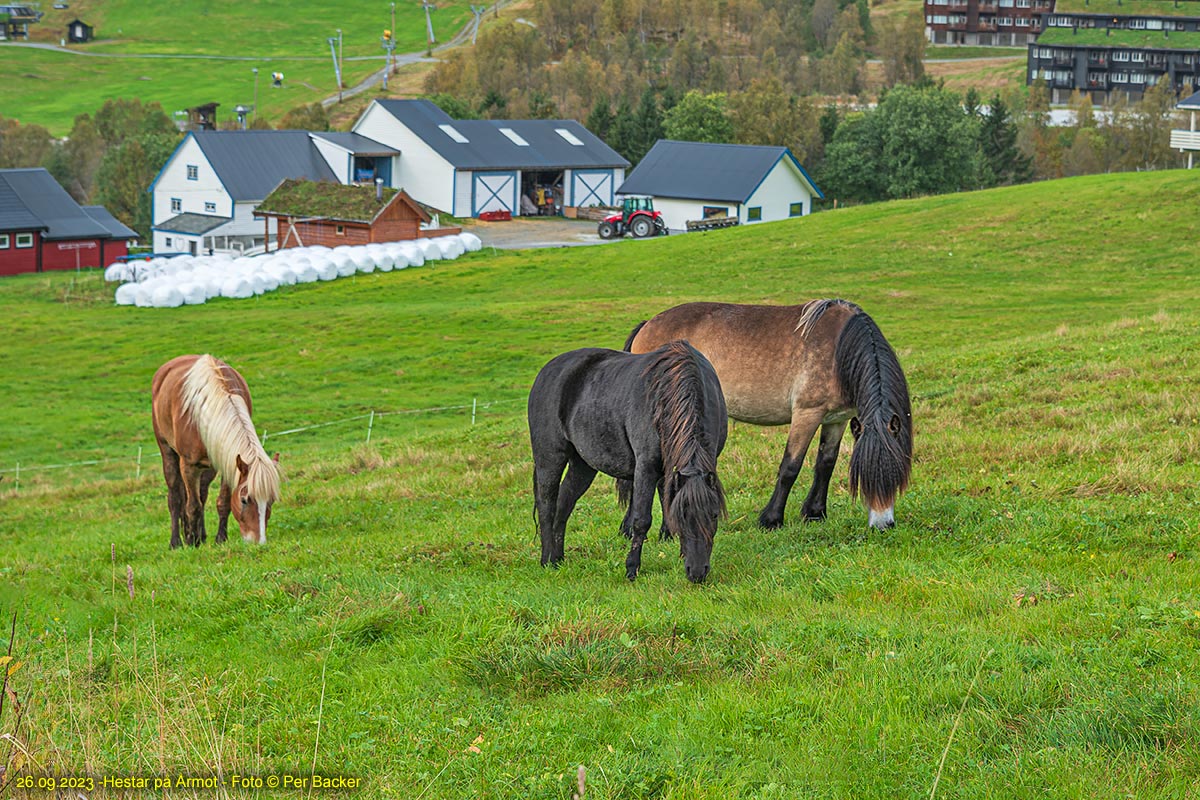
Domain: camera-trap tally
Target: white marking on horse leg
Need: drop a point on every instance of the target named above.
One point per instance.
(882, 520)
(262, 524)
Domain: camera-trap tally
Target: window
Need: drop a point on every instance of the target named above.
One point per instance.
(796, 210)
(1022, 22)
(715, 211)
(570, 137)
(24, 240)
(167, 242)
(3, 241)
(1137, 24)
(341, 230)
(1005, 20)
(514, 137)
(1023, 3)
(453, 133)
(176, 205)
(1154, 24)
(1120, 77)
(1137, 77)
(939, 19)
(754, 214)
(1138, 55)
(210, 208)
(193, 172)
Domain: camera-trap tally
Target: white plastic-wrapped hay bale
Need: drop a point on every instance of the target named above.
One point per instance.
(237, 288)
(143, 297)
(117, 272)
(193, 293)
(305, 273)
(471, 242)
(166, 296)
(398, 255)
(282, 273)
(450, 246)
(257, 281)
(362, 261)
(382, 260)
(429, 249)
(414, 254)
(326, 269)
(126, 294)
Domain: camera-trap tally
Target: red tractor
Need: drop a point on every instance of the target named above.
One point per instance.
(637, 217)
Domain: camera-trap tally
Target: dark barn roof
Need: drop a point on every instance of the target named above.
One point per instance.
(250, 164)
(487, 147)
(191, 224)
(356, 143)
(49, 205)
(116, 228)
(701, 171)
(14, 214)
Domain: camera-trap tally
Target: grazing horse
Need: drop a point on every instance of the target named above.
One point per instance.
(201, 411)
(819, 364)
(653, 421)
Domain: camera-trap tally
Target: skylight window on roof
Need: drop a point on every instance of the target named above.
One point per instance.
(514, 137)
(570, 137)
(453, 133)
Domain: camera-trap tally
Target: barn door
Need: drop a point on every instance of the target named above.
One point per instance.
(494, 191)
(592, 188)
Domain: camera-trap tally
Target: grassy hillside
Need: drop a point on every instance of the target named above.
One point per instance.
(203, 51)
(1029, 628)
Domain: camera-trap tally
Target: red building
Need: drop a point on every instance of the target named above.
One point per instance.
(43, 228)
(332, 214)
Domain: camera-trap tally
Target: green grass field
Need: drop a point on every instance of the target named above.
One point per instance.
(1030, 628)
(203, 51)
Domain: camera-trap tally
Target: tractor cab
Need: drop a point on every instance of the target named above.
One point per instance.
(637, 217)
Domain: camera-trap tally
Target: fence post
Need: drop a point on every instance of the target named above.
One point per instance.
(18, 476)
(474, 401)
(370, 425)
(139, 464)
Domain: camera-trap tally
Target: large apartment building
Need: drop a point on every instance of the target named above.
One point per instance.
(985, 22)
(1105, 47)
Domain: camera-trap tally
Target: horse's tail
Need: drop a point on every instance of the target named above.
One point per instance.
(874, 383)
(692, 494)
(633, 335)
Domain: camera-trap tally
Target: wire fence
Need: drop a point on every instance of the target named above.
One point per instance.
(131, 465)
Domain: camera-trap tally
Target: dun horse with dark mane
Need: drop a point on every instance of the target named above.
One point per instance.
(652, 421)
(821, 364)
(201, 411)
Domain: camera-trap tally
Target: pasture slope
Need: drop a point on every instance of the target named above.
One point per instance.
(1030, 628)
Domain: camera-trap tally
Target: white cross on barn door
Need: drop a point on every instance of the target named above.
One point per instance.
(592, 188)
(494, 191)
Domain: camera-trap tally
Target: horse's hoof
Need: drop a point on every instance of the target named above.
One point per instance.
(770, 522)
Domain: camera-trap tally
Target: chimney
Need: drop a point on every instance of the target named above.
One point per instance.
(379, 189)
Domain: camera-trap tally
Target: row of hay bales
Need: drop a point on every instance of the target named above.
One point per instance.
(190, 280)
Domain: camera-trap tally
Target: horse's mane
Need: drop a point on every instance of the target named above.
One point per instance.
(676, 390)
(815, 309)
(223, 420)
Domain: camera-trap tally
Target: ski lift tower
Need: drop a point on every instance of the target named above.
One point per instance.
(428, 6)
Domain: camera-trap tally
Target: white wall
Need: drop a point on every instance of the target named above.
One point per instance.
(420, 171)
(677, 213)
(338, 158)
(783, 186)
(173, 183)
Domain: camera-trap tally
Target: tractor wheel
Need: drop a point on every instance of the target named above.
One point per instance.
(641, 227)
(606, 230)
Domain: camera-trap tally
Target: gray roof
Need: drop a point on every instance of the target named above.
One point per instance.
(14, 214)
(1191, 103)
(356, 143)
(701, 171)
(116, 228)
(252, 163)
(192, 224)
(487, 147)
(54, 211)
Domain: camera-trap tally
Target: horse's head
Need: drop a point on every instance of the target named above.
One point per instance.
(880, 464)
(252, 499)
(694, 501)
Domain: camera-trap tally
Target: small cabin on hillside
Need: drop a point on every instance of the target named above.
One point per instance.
(79, 31)
(331, 214)
(202, 118)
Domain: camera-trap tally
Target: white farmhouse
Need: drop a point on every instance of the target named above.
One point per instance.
(472, 167)
(205, 195)
(695, 181)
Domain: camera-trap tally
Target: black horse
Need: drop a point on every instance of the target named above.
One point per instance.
(651, 421)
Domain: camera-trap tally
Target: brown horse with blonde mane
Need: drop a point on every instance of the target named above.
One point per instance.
(821, 364)
(201, 411)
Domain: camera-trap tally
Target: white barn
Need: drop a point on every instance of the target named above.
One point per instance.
(695, 181)
(469, 167)
(205, 195)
